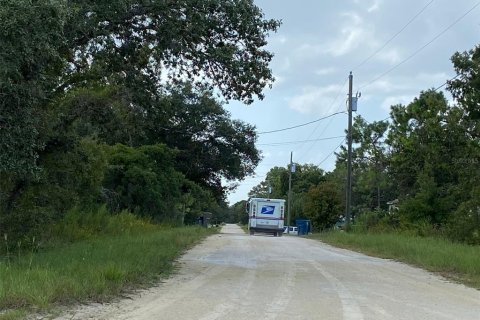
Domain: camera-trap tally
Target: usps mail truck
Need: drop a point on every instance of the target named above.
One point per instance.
(266, 215)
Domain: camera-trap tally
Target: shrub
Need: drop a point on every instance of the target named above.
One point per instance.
(464, 224)
(82, 225)
(144, 180)
(377, 221)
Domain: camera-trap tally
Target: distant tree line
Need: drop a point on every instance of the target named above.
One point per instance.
(114, 103)
(424, 161)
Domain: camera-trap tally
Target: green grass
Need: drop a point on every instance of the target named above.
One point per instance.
(12, 314)
(91, 270)
(459, 262)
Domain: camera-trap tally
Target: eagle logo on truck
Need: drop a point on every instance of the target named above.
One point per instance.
(267, 210)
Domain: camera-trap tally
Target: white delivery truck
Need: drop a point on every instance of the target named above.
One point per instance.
(266, 215)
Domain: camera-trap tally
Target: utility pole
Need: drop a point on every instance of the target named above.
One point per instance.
(348, 207)
(289, 191)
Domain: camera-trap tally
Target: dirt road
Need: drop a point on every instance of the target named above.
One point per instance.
(236, 276)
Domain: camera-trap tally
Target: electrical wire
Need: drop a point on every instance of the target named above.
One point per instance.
(331, 153)
(421, 48)
(393, 37)
(439, 87)
(275, 144)
(436, 89)
(326, 126)
(303, 124)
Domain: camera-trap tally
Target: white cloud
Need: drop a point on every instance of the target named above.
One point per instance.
(350, 39)
(352, 35)
(307, 50)
(432, 79)
(375, 6)
(394, 100)
(391, 56)
(385, 86)
(325, 71)
(282, 40)
(316, 100)
(410, 84)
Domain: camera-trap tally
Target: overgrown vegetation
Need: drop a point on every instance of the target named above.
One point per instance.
(112, 103)
(100, 255)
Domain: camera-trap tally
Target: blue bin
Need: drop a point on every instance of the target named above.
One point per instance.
(304, 226)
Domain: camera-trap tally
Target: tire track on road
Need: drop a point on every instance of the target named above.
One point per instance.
(280, 301)
(350, 307)
(232, 300)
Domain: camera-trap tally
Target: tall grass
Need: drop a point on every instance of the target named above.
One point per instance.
(125, 253)
(80, 225)
(456, 261)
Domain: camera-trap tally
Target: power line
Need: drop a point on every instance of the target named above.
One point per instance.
(394, 36)
(327, 125)
(421, 48)
(303, 124)
(304, 155)
(439, 87)
(331, 153)
(274, 144)
(436, 89)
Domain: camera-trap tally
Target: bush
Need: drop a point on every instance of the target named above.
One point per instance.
(144, 180)
(323, 205)
(377, 221)
(69, 178)
(81, 225)
(464, 225)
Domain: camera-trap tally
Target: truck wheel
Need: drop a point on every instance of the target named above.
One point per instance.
(251, 232)
(275, 234)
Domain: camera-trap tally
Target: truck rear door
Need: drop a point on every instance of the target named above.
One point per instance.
(270, 214)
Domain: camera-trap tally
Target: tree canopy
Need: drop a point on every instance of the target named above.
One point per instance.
(120, 102)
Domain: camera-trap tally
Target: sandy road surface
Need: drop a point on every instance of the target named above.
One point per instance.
(236, 276)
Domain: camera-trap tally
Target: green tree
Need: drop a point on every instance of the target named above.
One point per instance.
(323, 205)
(275, 181)
(426, 140)
(261, 190)
(136, 42)
(144, 181)
(30, 64)
(210, 145)
(53, 47)
(464, 223)
(239, 212)
(465, 88)
(370, 163)
(305, 177)
(195, 200)
(69, 177)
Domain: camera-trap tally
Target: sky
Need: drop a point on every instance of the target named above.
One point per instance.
(394, 48)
